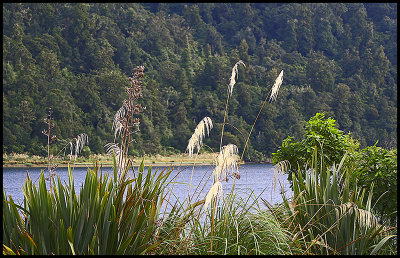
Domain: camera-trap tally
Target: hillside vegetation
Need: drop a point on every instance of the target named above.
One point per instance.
(339, 59)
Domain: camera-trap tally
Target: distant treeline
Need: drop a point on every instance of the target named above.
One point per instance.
(338, 58)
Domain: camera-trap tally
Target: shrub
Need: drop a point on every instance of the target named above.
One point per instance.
(323, 134)
(332, 216)
(86, 152)
(379, 166)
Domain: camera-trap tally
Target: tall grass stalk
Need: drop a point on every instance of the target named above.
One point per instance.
(225, 161)
(232, 82)
(124, 123)
(50, 125)
(274, 90)
(196, 141)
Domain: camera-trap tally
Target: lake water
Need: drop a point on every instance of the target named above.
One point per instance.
(258, 178)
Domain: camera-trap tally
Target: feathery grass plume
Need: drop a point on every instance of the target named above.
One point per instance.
(118, 117)
(199, 133)
(226, 161)
(233, 76)
(273, 94)
(275, 88)
(110, 147)
(232, 82)
(114, 147)
(216, 189)
(80, 141)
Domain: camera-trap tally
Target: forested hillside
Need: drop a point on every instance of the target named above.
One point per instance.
(340, 59)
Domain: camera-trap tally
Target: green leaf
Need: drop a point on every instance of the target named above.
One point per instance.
(70, 240)
(380, 244)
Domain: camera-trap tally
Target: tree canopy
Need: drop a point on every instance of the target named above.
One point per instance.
(338, 58)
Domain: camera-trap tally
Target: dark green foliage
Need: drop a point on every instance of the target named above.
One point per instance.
(321, 134)
(338, 58)
(379, 166)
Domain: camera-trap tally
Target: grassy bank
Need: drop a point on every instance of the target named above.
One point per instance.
(23, 160)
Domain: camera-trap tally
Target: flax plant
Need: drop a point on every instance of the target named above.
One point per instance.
(330, 216)
(108, 216)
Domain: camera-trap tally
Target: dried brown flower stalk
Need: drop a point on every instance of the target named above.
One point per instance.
(50, 125)
(124, 123)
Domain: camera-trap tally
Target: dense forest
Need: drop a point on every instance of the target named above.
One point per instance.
(75, 58)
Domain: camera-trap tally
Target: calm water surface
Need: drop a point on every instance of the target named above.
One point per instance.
(258, 178)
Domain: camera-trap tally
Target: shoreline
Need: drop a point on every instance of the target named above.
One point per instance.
(26, 161)
(157, 164)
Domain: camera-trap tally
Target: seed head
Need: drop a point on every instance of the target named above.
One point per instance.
(275, 88)
(199, 133)
(234, 75)
(216, 189)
